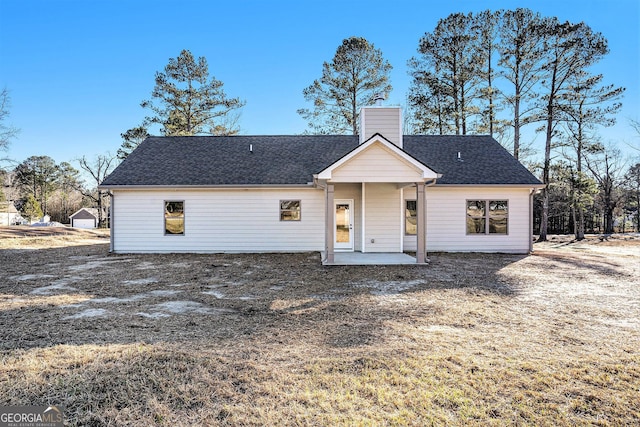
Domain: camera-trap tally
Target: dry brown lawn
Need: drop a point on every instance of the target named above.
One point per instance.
(470, 339)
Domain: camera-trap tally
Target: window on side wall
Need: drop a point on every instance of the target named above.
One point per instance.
(410, 218)
(290, 210)
(174, 218)
(487, 217)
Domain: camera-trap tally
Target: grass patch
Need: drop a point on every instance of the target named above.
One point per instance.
(165, 384)
(549, 339)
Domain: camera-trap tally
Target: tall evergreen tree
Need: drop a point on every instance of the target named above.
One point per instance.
(429, 109)
(449, 56)
(130, 140)
(521, 52)
(349, 82)
(38, 176)
(587, 104)
(486, 27)
(569, 49)
(31, 208)
(185, 101)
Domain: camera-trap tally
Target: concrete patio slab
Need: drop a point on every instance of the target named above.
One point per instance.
(358, 258)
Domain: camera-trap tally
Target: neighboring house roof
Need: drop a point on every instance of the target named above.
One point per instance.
(85, 213)
(293, 160)
(8, 207)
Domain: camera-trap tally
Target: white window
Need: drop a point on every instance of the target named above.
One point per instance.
(174, 218)
(487, 216)
(290, 210)
(410, 218)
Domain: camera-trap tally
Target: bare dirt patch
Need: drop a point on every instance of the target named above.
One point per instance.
(485, 339)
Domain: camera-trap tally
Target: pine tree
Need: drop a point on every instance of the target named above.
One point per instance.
(349, 82)
(521, 53)
(185, 101)
(31, 208)
(449, 56)
(569, 49)
(585, 106)
(131, 139)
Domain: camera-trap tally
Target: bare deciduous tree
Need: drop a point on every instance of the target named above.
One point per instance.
(608, 170)
(98, 169)
(7, 132)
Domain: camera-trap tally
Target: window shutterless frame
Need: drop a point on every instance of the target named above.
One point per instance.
(290, 210)
(174, 218)
(487, 217)
(410, 217)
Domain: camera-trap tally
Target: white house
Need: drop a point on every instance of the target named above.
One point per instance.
(9, 215)
(379, 192)
(84, 218)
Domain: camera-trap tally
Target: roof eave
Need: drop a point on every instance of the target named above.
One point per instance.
(201, 187)
(537, 186)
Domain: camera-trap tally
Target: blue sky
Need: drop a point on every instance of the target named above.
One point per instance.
(78, 70)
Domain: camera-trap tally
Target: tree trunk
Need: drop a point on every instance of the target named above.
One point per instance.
(608, 220)
(354, 112)
(638, 212)
(516, 127)
(100, 214)
(580, 224)
(491, 119)
(516, 107)
(544, 219)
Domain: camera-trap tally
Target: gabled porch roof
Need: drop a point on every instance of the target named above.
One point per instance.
(377, 160)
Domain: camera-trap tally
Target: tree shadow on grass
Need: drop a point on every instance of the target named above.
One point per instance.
(594, 263)
(83, 295)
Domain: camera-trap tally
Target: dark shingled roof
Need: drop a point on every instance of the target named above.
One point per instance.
(482, 159)
(294, 159)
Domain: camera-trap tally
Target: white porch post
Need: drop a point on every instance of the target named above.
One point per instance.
(329, 224)
(421, 224)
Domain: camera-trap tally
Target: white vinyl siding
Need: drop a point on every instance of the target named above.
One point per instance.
(385, 121)
(446, 220)
(447, 216)
(218, 221)
(383, 218)
(376, 164)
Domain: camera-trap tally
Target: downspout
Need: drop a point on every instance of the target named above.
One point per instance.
(362, 213)
(531, 193)
(111, 222)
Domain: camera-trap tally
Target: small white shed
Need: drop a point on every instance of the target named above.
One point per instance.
(9, 215)
(84, 218)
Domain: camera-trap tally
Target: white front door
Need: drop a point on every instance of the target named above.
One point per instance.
(344, 225)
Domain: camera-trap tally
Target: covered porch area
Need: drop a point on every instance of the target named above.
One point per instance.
(365, 208)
